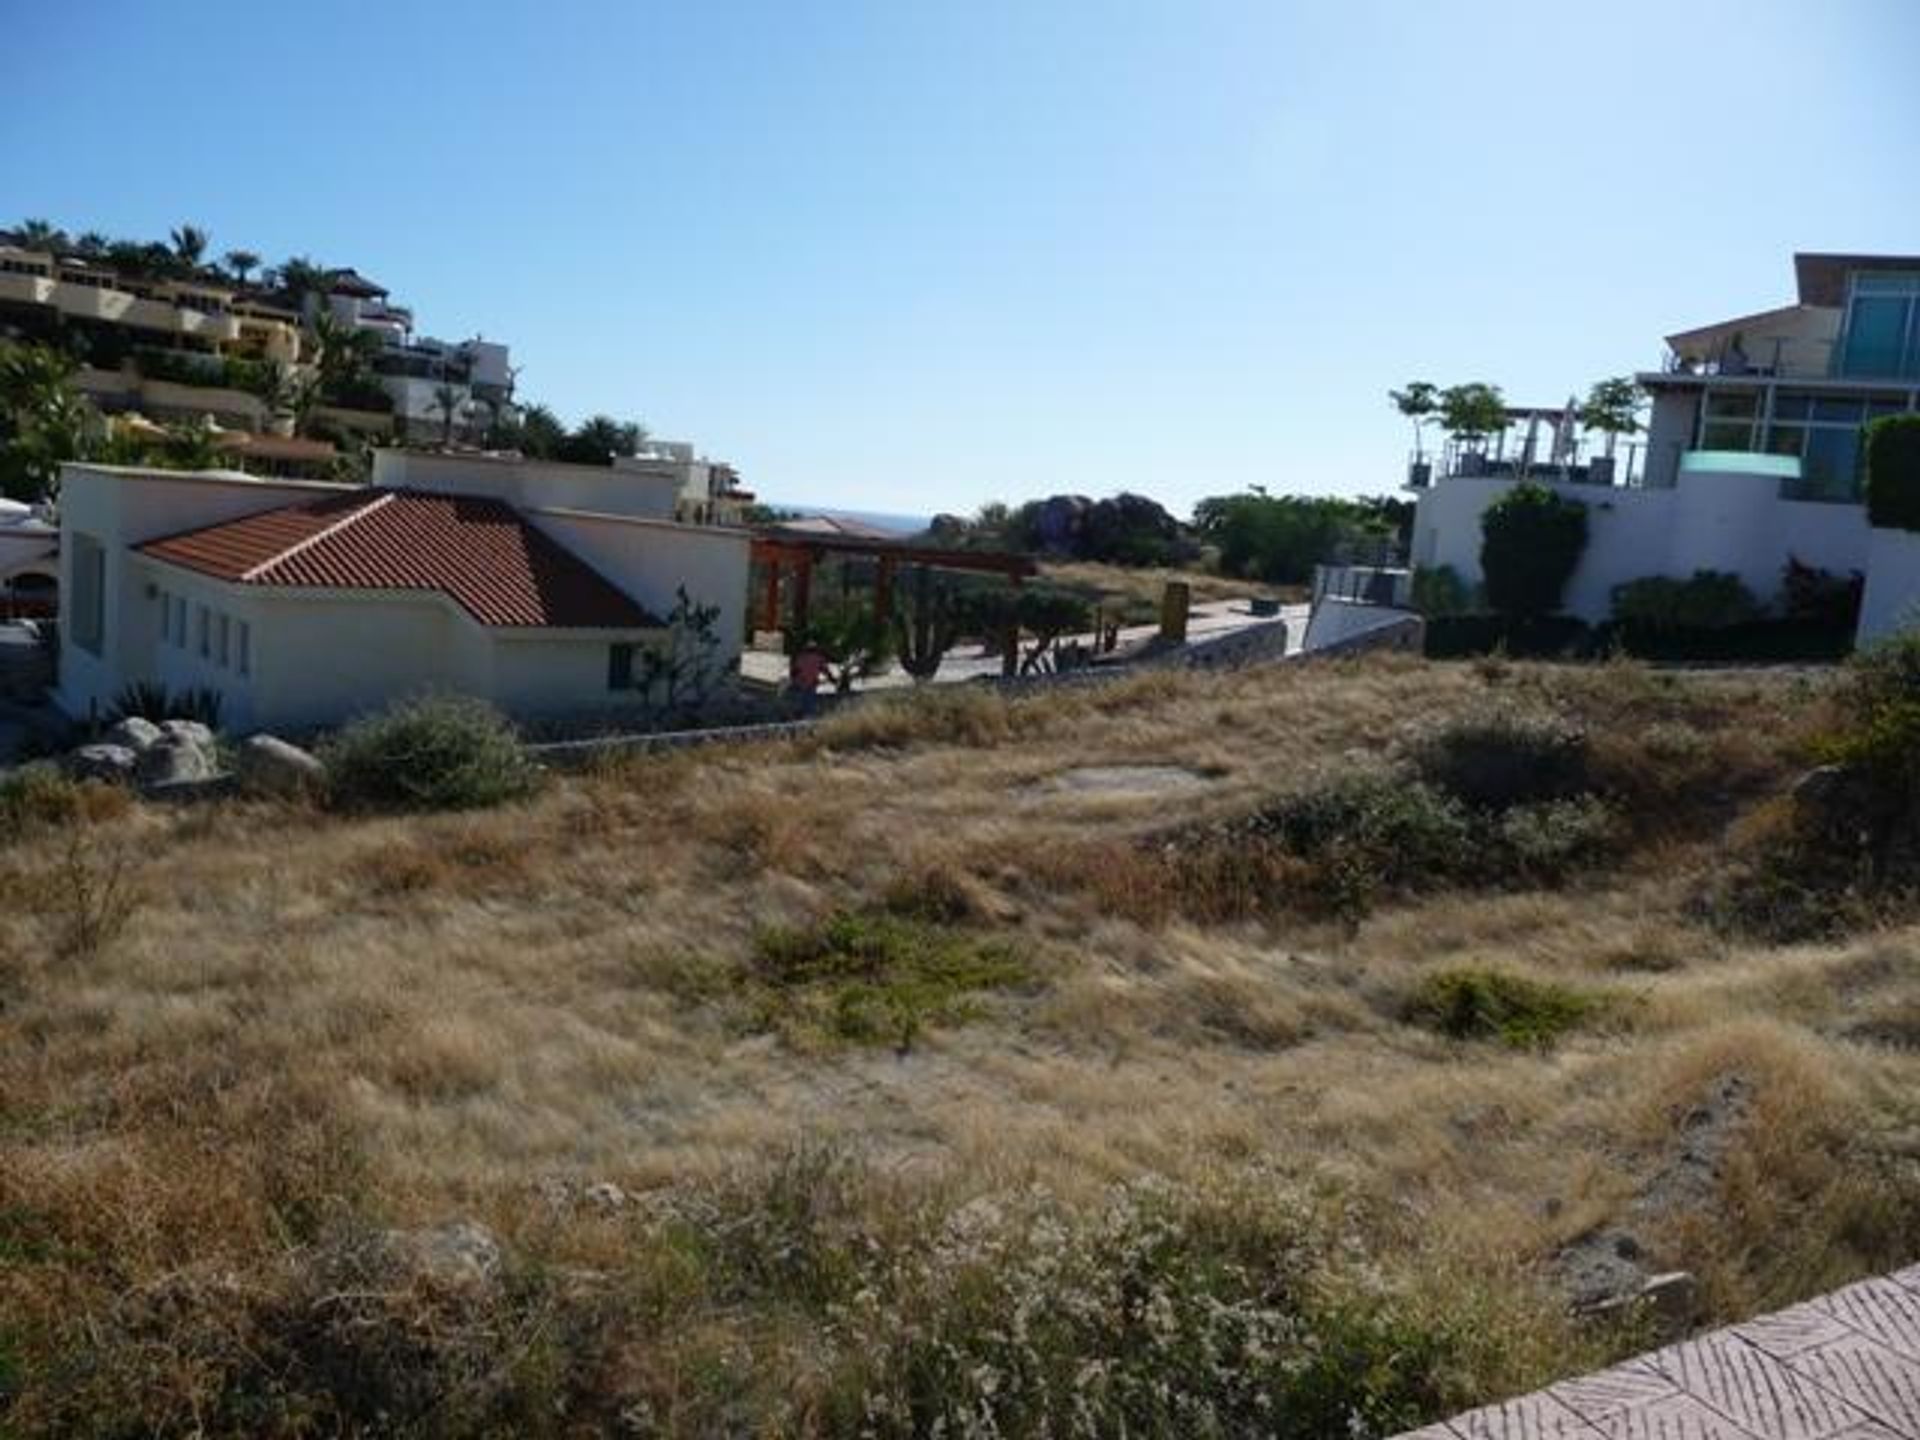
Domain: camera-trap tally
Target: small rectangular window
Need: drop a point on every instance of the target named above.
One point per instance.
(206, 633)
(89, 623)
(620, 667)
(223, 642)
(243, 657)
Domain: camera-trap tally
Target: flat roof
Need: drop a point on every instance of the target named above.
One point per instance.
(1822, 277)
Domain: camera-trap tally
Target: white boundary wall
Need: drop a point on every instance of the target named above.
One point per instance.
(1709, 520)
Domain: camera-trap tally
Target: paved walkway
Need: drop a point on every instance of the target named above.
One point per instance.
(1843, 1367)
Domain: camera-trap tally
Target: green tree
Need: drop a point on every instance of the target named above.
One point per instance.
(300, 279)
(345, 355)
(40, 235)
(189, 245)
(446, 399)
(855, 641)
(1472, 412)
(541, 434)
(240, 264)
(1531, 541)
(43, 420)
(1277, 538)
(1418, 402)
(1046, 613)
(1612, 407)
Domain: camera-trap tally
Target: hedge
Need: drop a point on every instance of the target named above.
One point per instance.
(1564, 637)
(1893, 472)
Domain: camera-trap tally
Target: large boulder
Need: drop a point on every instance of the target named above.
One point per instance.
(191, 732)
(175, 760)
(134, 733)
(268, 765)
(113, 763)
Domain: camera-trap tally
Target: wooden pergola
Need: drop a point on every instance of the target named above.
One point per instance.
(789, 555)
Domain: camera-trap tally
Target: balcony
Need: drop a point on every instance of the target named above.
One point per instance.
(1531, 451)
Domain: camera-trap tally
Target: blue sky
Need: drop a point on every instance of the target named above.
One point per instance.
(911, 256)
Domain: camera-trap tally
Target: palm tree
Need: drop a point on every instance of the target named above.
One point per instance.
(45, 420)
(189, 244)
(541, 433)
(40, 235)
(92, 244)
(242, 263)
(345, 353)
(446, 399)
(301, 278)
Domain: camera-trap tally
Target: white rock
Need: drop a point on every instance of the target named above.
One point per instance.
(269, 765)
(102, 762)
(190, 731)
(133, 732)
(174, 761)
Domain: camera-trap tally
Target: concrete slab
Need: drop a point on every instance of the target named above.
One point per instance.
(1843, 1367)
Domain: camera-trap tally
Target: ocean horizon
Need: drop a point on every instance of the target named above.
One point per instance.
(903, 521)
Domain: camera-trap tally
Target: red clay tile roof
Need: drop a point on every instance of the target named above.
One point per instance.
(479, 552)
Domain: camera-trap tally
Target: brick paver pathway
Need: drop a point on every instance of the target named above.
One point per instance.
(1843, 1367)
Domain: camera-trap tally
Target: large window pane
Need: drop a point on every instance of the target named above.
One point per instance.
(1787, 440)
(1829, 471)
(1876, 336)
(1727, 435)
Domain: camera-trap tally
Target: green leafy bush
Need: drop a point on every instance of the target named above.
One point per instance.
(1531, 541)
(867, 977)
(1439, 590)
(1707, 600)
(1399, 831)
(1893, 472)
(1820, 597)
(440, 753)
(1502, 758)
(1477, 1004)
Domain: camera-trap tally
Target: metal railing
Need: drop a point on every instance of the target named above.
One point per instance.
(1583, 462)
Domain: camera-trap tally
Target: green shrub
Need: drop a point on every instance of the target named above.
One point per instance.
(869, 977)
(1531, 541)
(1473, 1004)
(1708, 600)
(1161, 1313)
(1439, 590)
(441, 753)
(1541, 843)
(1399, 831)
(1893, 472)
(1502, 758)
(1819, 597)
(1543, 637)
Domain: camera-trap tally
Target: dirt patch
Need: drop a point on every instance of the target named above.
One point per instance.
(1125, 780)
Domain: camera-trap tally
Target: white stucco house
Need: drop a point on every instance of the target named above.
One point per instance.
(533, 585)
(1752, 452)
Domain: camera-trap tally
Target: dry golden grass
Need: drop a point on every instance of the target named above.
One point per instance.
(308, 1023)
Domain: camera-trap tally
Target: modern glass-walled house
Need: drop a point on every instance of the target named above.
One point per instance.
(1796, 383)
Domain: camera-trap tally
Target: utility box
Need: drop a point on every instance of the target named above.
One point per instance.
(1175, 601)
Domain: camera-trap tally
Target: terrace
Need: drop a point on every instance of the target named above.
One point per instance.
(1535, 444)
